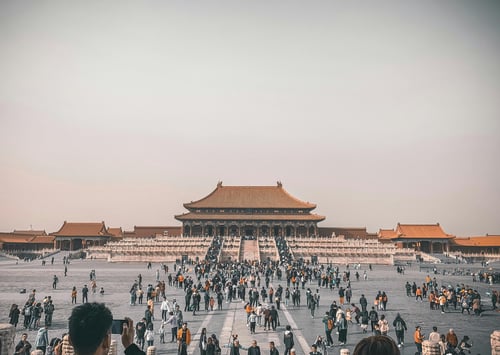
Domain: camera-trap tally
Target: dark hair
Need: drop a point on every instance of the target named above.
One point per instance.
(88, 325)
(376, 345)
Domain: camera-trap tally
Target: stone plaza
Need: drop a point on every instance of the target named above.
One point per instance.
(117, 278)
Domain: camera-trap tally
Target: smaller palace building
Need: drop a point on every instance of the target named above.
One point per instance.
(429, 238)
(252, 211)
(74, 236)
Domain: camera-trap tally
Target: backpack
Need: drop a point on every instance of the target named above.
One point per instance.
(373, 316)
(399, 326)
(330, 324)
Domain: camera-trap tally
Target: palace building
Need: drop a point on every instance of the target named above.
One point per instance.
(251, 211)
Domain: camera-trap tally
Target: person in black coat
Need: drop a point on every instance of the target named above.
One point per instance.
(272, 349)
(203, 342)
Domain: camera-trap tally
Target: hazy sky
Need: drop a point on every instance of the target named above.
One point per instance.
(378, 112)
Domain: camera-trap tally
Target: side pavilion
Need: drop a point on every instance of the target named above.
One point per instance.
(75, 236)
(428, 238)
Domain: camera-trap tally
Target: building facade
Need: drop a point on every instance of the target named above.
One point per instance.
(249, 211)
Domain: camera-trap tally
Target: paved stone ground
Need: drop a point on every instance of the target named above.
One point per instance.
(116, 278)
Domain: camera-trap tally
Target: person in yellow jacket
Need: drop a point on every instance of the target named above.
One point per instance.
(183, 339)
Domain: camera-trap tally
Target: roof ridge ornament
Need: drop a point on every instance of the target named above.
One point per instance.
(219, 183)
(279, 184)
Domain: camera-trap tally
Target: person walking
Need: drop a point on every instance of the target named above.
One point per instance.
(183, 338)
(140, 332)
(288, 340)
(342, 329)
(329, 324)
(272, 349)
(85, 293)
(203, 342)
(149, 335)
(14, 314)
(400, 326)
(252, 321)
(363, 302)
(254, 349)
(373, 316)
(418, 338)
(42, 339)
(172, 321)
(383, 325)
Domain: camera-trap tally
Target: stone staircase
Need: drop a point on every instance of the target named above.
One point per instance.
(249, 250)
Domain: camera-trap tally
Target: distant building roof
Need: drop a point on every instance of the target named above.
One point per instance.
(480, 241)
(387, 234)
(116, 232)
(29, 232)
(249, 197)
(82, 230)
(421, 231)
(250, 217)
(26, 239)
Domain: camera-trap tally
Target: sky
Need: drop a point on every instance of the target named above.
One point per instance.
(379, 112)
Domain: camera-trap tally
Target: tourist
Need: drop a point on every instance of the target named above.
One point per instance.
(149, 335)
(24, 346)
(210, 347)
(36, 315)
(183, 337)
(172, 323)
(148, 315)
(254, 349)
(235, 346)
(329, 324)
(400, 327)
(252, 321)
(314, 350)
(383, 325)
(140, 332)
(364, 321)
(451, 338)
(89, 326)
(418, 338)
(161, 331)
(85, 293)
(165, 308)
(49, 311)
(376, 345)
(342, 329)
(373, 316)
(288, 339)
(363, 302)
(272, 349)
(14, 314)
(42, 339)
(274, 317)
(434, 335)
(203, 341)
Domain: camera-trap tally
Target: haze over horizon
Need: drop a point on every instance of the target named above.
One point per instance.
(379, 113)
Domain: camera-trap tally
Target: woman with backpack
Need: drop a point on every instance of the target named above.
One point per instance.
(400, 327)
